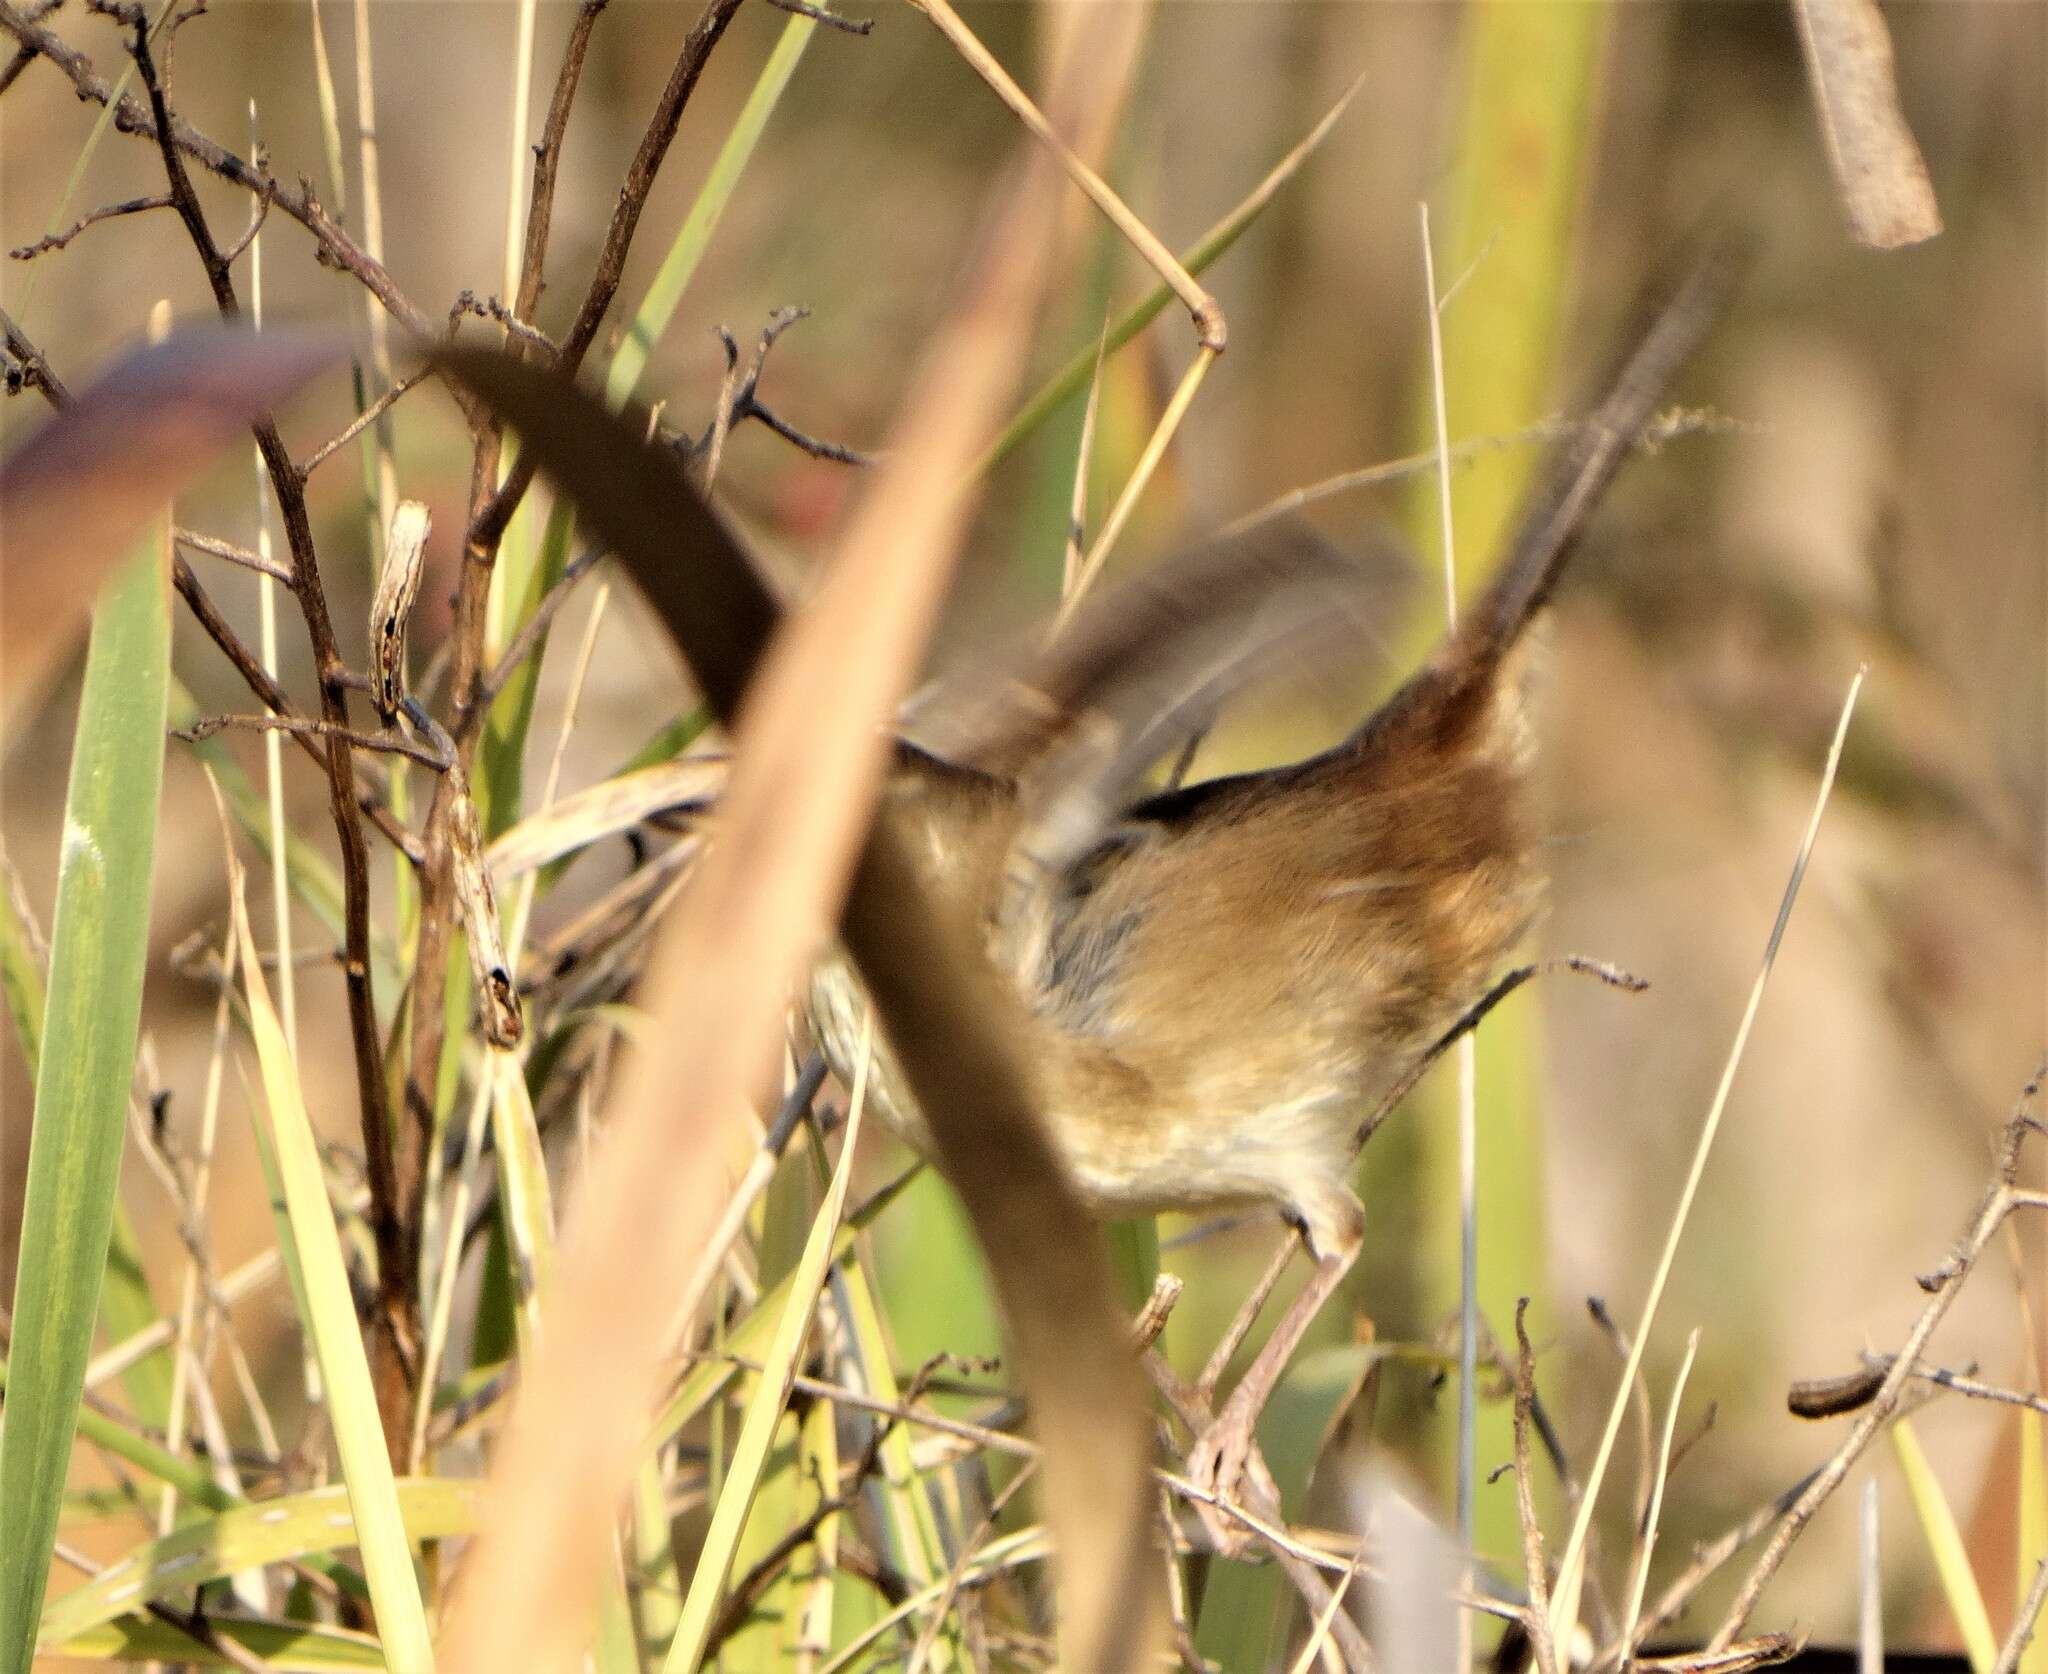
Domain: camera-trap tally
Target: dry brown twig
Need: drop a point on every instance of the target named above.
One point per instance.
(107, 212)
(1534, 1565)
(385, 1217)
(2001, 1198)
(490, 505)
(2024, 1622)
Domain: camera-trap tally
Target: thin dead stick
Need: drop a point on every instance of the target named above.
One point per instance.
(2024, 1623)
(1977, 1389)
(920, 1653)
(1667, 426)
(1141, 477)
(1320, 1643)
(1639, 1397)
(1234, 1335)
(2000, 1199)
(1534, 1567)
(362, 421)
(390, 743)
(1468, 1054)
(1565, 1604)
(1077, 511)
(183, 1358)
(214, 547)
(108, 212)
(245, 1280)
(1210, 330)
(1647, 1534)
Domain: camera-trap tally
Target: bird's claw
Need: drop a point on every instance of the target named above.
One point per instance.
(1216, 1465)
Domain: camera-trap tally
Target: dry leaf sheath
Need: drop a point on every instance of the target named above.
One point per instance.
(398, 586)
(497, 995)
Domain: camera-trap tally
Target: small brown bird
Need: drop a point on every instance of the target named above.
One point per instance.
(1222, 984)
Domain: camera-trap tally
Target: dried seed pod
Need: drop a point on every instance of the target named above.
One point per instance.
(496, 992)
(1827, 1397)
(398, 585)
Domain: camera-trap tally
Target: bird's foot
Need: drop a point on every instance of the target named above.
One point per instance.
(1223, 1463)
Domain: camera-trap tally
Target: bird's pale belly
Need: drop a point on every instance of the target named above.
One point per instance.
(1232, 1143)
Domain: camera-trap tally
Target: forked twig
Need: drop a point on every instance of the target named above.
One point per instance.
(2001, 1197)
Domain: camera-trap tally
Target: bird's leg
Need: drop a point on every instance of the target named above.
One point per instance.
(1232, 1339)
(1218, 1457)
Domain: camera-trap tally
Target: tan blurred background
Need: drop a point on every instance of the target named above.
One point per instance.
(1882, 500)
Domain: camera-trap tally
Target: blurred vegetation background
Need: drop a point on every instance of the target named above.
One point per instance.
(1879, 494)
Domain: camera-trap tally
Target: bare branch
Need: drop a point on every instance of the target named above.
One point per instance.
(2000, 1198)
(362, 421)
(108, 212)
(214, 547)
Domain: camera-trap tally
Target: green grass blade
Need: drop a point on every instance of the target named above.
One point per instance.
(189, 1478)
(1073, 377)
(251, 1536)
(749, 1338)
(679, 266)
(670, 741)
(126, 1305)
(1945, 1544)
(763, 1418)
(284, 1647)
(331, 1323)
(99, 944)
(523, 1195)
(1529, 105)
(526, 579)
(21, 983)
(907, 1513)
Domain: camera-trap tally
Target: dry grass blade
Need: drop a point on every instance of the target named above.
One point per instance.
(497, 994)
(606, 809)
(808, 762)
(1564, 1610)
(1878, 168)
(1653, 1514)
(1951, 1557)
(73, 496)
(331, 1320)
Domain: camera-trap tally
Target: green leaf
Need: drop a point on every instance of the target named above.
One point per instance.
(190, 1479)
(285, 1647)
(330, 1320)
(763, 1419)
(677, 268)
(99, 944)
(251, 1536)
(1529, 111)
(1073, 377)
(126, 1305)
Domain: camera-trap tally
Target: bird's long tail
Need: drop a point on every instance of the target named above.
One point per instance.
(1679, 310)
